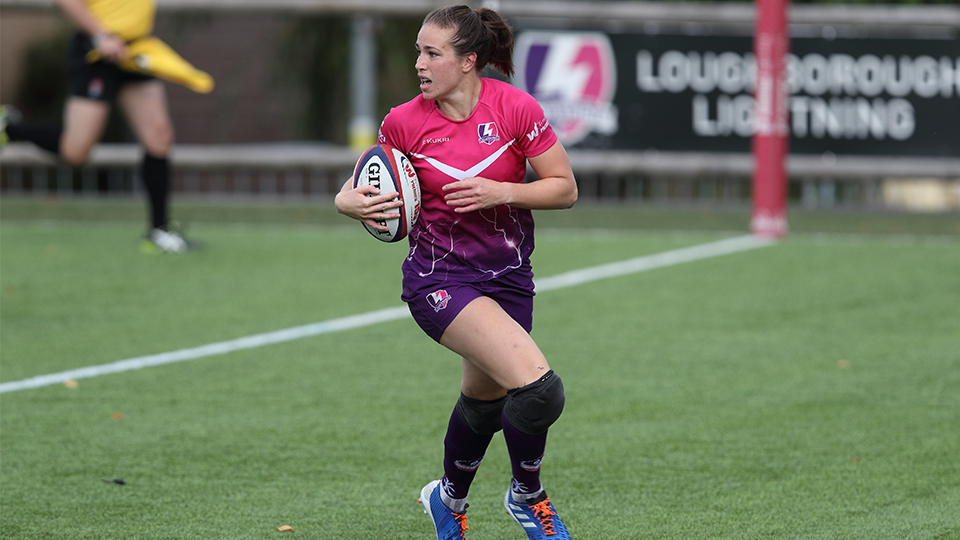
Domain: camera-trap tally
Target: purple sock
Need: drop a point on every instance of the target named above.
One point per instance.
(463, 452)
(526, 453)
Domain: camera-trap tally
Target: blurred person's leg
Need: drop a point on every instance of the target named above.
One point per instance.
(145, 106)
(83, 123)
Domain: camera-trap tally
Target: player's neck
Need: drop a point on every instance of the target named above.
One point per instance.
(461, 105)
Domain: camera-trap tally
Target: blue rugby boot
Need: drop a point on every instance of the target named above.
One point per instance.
(449, 524)
(538, 518)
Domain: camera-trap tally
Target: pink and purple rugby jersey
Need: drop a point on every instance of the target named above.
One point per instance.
(494, 142)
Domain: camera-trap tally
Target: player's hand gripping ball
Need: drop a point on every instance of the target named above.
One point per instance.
(388, 169)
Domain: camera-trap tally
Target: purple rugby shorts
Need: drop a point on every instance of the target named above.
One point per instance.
(434, 304)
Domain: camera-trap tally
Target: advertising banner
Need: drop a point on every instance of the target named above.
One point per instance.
(850, 96)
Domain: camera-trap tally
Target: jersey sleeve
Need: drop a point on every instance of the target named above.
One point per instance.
(536, 134)
(389, 130)
(399, 126)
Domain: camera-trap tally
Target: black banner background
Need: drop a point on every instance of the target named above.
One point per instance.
(665, 120)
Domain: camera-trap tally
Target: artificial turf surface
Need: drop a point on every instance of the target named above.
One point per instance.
(805, 390)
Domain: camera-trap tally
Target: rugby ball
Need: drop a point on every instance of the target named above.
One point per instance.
(388, 169)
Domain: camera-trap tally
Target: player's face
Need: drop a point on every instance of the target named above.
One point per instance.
(439, 67)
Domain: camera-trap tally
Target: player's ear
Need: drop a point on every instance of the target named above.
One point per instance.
(468, 61)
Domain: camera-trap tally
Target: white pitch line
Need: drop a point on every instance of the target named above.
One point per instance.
(211, 349)
(560, 281)
(650, 262)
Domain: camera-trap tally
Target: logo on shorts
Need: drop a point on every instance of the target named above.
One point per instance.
(488, 133)
(95, 88)
(439, 299)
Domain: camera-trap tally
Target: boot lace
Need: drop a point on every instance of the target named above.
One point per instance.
(544, 514)
(461, 521)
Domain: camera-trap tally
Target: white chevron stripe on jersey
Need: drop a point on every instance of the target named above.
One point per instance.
(458, 174)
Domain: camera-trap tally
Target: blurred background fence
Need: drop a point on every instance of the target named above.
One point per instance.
(281, 119)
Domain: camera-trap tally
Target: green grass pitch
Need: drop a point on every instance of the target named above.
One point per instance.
(806, 390)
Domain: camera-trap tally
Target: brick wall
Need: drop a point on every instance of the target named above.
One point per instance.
(254, 100)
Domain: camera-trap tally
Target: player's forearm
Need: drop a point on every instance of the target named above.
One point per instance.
(556, 187)
(550, 193)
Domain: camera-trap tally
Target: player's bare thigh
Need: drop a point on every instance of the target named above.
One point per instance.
(145, 106)
(476, 384)
(498, 353)
(84, 120)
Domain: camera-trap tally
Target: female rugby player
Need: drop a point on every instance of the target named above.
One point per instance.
(467, 279)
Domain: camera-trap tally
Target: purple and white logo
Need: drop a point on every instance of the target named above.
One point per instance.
(488, 133)
(468, 465)
(439, 299)
(574, 77)
(532, 465)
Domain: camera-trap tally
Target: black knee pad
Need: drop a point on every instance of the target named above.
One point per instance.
(483, 417)
(535, 407)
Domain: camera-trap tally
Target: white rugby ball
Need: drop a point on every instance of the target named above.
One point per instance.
(388, 169)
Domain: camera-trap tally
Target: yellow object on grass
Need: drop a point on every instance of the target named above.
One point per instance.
(150, 56)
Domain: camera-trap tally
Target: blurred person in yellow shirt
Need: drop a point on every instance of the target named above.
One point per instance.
(102, 70)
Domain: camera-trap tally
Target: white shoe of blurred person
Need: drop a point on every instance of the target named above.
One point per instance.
(161, 241)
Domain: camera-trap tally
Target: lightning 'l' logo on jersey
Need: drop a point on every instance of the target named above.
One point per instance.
(488, 133)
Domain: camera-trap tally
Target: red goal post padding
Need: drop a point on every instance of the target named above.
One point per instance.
(771, 138)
